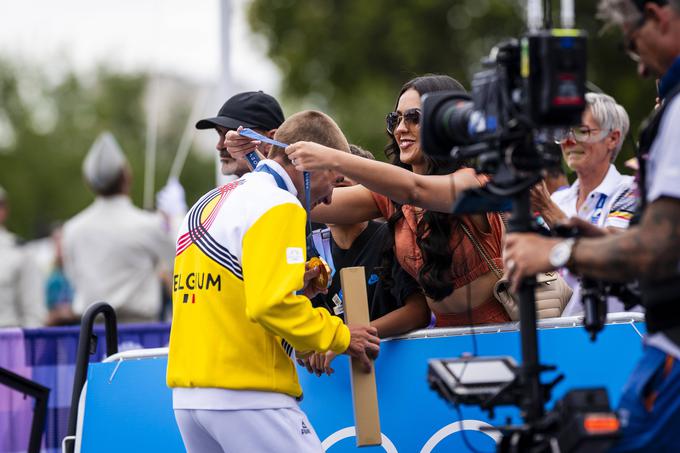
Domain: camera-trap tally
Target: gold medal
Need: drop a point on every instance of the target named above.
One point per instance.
(323, 280)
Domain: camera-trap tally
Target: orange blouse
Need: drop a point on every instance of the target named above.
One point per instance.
(466, 263)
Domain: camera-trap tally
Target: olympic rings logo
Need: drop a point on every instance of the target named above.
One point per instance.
(389, 447)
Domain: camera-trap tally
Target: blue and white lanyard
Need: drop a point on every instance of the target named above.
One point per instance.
(598, 209)
(254, 159)
(252, 156)
(322, 243)
(277, 177)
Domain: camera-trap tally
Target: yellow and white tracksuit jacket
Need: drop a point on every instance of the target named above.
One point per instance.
(236, 318)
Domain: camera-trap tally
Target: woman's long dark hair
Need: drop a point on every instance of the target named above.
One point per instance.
(434, 231)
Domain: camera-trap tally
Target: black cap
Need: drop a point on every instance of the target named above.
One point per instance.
(253, 109)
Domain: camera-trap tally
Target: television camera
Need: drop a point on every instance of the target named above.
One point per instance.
(529, 92)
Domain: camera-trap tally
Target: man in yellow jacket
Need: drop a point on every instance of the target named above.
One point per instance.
(237, 314)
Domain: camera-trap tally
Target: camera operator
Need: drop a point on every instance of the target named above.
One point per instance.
(650, 405)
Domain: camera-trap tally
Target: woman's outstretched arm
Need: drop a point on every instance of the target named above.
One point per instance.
(436, 193)
(349, 205)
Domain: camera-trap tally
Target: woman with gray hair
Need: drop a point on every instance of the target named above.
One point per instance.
(600, 195)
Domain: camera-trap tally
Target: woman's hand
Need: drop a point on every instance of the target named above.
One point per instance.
(541, 202)
(540, 197)
(310, 156)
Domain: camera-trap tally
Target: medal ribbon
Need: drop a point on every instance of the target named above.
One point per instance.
(254, 159)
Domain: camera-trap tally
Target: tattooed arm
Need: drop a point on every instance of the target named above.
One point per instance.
(650, 250)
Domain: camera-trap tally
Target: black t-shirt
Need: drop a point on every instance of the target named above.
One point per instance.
(367, 250)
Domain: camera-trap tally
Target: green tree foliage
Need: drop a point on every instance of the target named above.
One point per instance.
(614, 73)
(350, 57)
(47, 127)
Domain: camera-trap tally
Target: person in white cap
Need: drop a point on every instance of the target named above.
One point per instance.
(21, 300)
(114, 251)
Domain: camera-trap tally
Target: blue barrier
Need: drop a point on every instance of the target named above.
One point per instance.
(47, 356)
(128, 407)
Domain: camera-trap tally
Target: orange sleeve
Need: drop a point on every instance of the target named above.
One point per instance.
(384, 204)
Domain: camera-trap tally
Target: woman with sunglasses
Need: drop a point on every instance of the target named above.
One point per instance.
(601, 199)
(414, 194)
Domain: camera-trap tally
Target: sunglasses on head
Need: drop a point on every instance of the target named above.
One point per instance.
(410, 116)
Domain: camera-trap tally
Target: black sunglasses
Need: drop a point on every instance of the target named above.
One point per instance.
(410, 116)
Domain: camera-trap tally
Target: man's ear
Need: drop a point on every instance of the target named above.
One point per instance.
(270, 133)
(657, 14)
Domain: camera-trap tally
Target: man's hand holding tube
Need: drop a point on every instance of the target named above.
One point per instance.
(364, 344)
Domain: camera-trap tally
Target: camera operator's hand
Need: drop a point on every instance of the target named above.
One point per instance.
(309, 156)
(364, 344)
(526, 254)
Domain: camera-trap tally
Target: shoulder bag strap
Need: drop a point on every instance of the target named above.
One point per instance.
(481, 251)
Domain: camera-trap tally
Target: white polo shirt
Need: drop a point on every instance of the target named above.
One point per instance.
(611, 204)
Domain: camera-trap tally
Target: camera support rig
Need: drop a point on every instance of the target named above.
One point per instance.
(530, 87)
(581, 421)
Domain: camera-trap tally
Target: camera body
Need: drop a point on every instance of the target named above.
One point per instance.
(528, 87)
